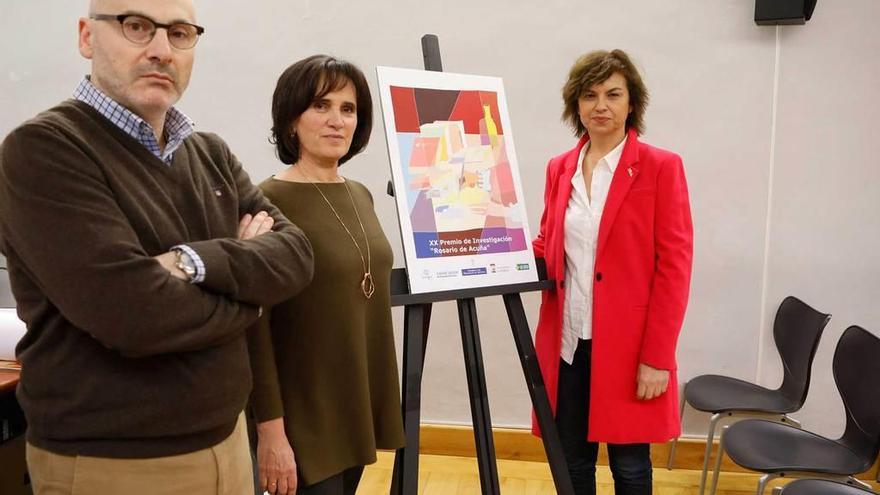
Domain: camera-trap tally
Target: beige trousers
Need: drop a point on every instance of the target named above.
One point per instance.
(224, 469)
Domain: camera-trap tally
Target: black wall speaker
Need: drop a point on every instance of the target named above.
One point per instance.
(772, 12)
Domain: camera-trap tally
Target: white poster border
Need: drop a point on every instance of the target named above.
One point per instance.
(447, 273)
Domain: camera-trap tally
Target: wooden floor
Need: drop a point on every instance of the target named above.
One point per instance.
(446, 475)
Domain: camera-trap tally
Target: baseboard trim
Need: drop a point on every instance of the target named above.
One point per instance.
(519, 444)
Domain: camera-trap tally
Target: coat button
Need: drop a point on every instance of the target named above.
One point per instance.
(598, 276)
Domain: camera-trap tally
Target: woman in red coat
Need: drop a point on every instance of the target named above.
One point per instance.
(617, 237)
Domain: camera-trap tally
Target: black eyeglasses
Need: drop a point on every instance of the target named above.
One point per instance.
(141, 30)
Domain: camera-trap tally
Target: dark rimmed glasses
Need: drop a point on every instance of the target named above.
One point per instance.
(141, 30)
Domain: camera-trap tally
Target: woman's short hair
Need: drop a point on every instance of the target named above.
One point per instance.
(594, 68)
(310, 79)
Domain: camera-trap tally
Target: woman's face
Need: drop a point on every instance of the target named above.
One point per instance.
(326, 128)
(604, 107)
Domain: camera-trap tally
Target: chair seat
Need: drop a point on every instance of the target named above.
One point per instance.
(821, 487)
(769, 447)
(716, 393)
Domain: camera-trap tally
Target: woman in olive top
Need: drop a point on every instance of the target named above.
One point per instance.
(326, 394)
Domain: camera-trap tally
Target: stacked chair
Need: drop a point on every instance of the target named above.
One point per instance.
(821, 487)
(778, 449)
(797, 329)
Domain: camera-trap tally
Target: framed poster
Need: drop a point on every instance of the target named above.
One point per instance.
(456, 180)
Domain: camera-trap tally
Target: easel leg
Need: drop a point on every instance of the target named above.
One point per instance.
(417, 319)
(538, 392)
(479, 398)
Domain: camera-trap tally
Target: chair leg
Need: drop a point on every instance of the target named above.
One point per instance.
(789, 420)
(711, 436)
(852, 480)
(681, 404)
(716, 473)
(763, 480)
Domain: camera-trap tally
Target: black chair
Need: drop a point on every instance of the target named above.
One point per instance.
(781, 450)
(796, 331)
(821, 487)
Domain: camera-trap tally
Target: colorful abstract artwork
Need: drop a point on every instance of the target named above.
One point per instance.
(458, 192)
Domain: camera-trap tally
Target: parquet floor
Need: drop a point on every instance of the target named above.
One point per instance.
(447, 475)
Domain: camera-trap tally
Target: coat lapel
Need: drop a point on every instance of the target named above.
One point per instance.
(624, 176)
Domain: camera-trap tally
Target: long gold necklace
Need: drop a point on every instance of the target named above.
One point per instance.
(367, 285)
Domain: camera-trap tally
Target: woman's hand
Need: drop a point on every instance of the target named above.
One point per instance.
(277, 466)
(651, 382)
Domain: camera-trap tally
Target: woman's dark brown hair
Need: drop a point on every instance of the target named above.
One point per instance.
(594, 68)
(306, 81)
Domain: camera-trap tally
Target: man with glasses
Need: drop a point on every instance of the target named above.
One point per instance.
(138, 253)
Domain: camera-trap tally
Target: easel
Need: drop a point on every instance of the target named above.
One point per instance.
(417, 316)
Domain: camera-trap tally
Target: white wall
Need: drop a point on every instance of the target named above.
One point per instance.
(782, 206)
(824, 222)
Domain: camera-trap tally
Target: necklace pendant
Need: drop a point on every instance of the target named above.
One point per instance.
(367, 285)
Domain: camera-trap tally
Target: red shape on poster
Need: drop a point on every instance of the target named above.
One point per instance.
(469, 110)
(406, 115)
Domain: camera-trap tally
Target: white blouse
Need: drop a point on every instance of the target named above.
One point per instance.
(582, 218)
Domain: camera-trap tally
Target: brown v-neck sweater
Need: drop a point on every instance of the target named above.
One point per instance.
(325, 359)
(120, 359)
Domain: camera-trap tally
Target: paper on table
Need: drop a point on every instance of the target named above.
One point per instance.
(11, 331)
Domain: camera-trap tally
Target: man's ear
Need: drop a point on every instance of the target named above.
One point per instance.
(85, 38)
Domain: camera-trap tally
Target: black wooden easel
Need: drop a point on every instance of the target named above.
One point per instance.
(417, 316)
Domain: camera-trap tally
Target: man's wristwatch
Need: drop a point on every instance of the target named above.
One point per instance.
(185, 264)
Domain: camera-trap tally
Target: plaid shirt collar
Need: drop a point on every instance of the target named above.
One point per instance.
(177, 125)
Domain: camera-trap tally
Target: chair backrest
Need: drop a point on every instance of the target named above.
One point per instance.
(857, 375)
(796, 331)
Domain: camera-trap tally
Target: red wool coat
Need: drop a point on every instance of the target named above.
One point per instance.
(640, 289)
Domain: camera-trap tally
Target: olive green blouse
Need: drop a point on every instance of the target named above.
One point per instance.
(325, 359)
